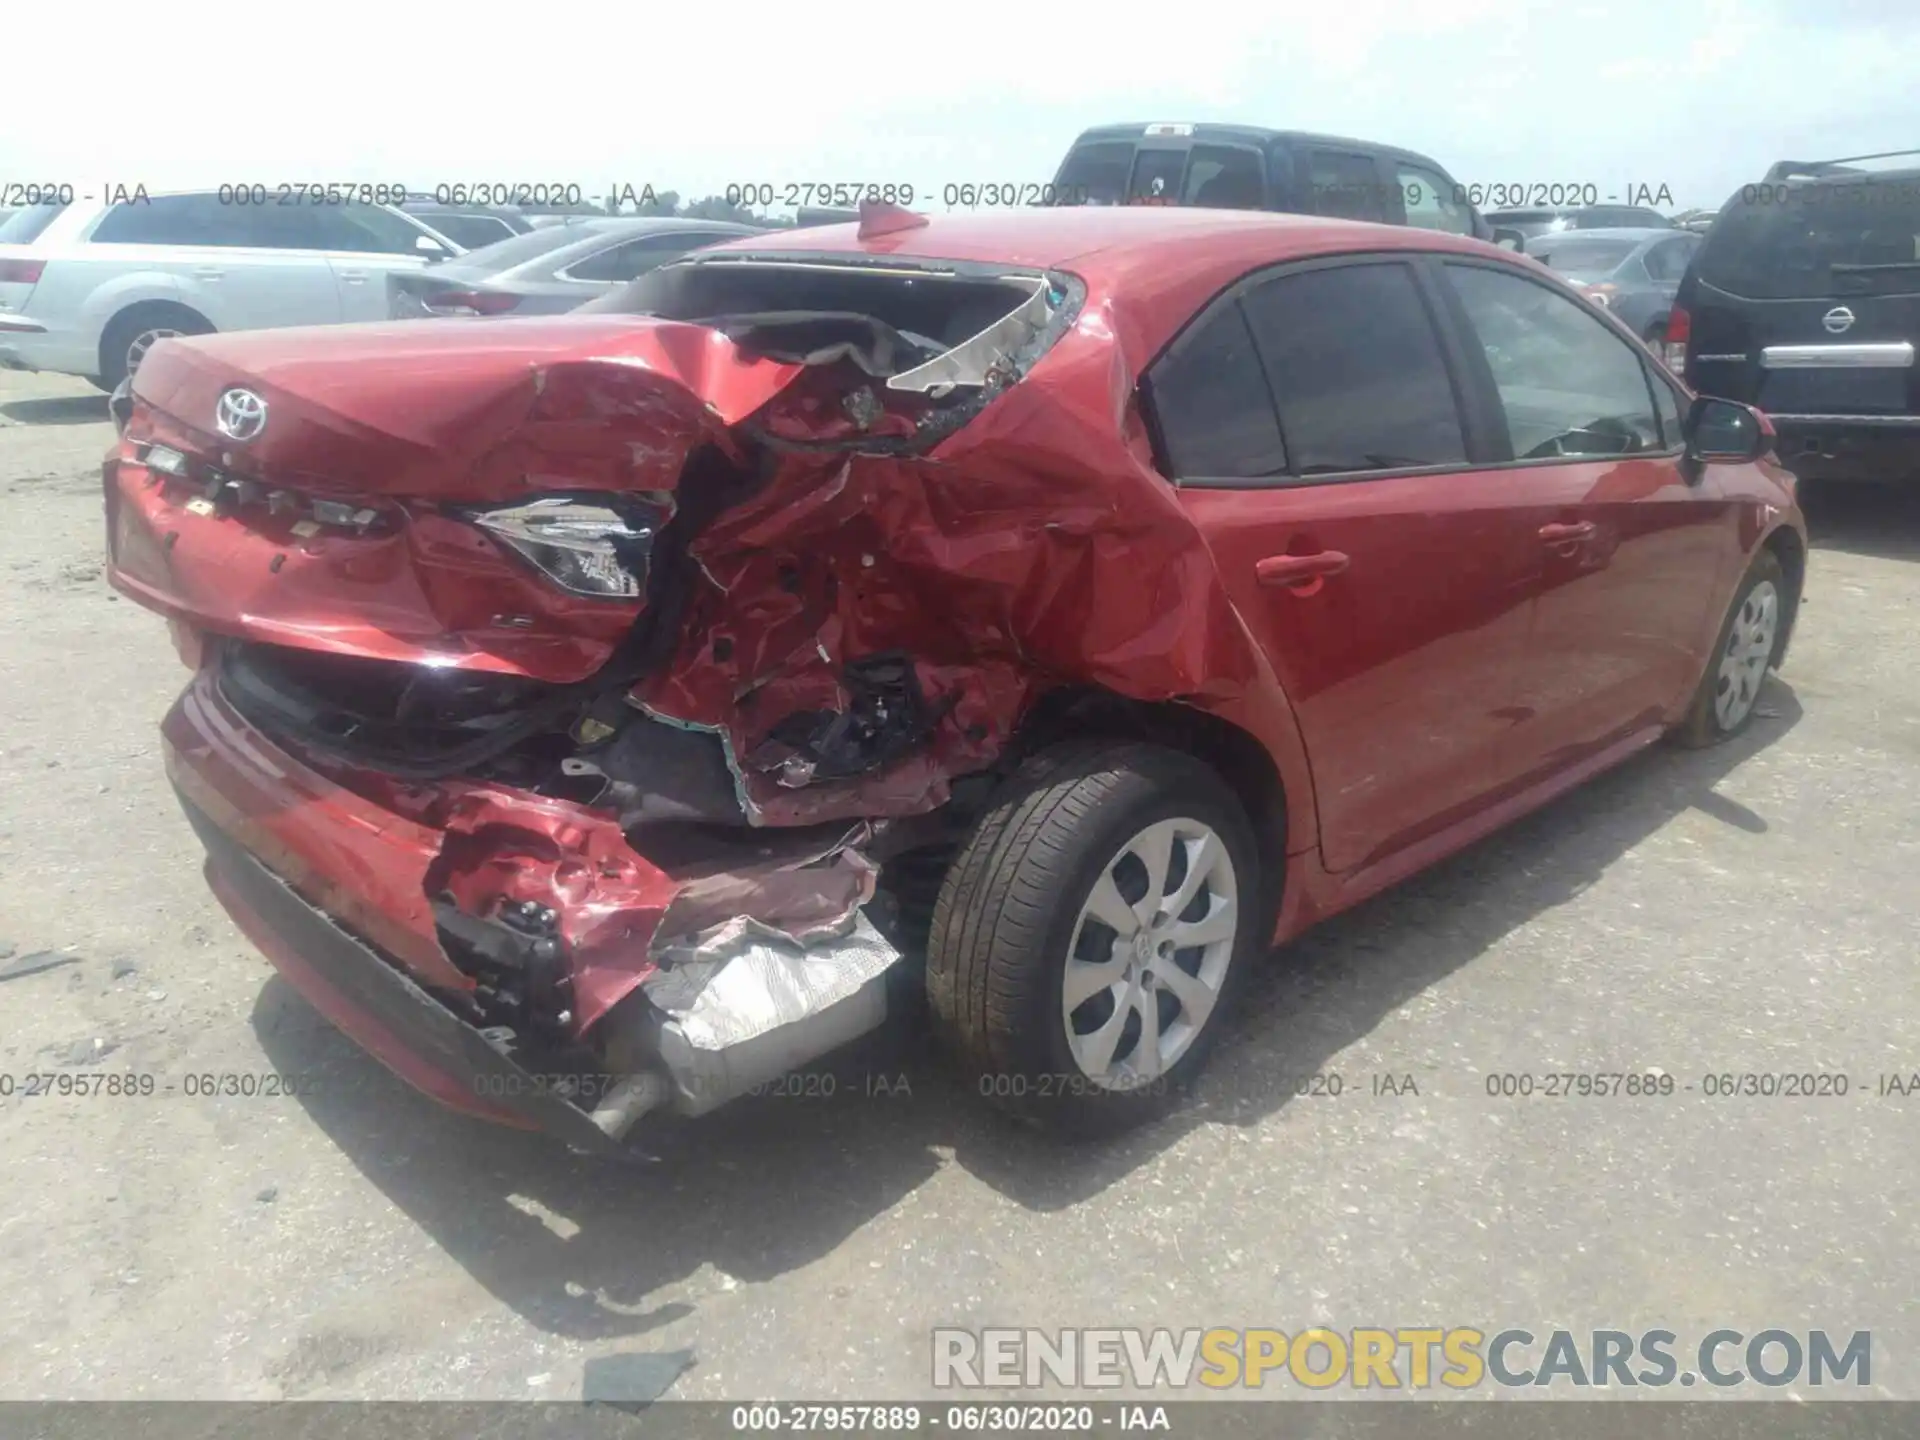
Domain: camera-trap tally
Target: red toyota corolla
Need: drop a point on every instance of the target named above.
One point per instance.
(604, 714)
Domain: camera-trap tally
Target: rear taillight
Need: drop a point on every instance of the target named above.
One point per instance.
(21, 272)
(469, 302)
(1679, 331)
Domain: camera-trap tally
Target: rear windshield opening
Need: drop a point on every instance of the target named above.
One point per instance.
(1095, 174)
(934, 310)
(1793, 242)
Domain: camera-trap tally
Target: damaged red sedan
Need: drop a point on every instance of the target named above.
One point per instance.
(598, 716)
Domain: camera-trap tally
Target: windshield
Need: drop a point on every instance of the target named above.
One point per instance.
(25, 225)
(1817, 241)
(1584, 257)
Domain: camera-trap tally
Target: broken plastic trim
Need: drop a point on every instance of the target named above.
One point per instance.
(978, 360)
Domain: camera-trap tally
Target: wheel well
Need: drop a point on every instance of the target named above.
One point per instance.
(145, 311)
(1792, 554)
(1240, 759)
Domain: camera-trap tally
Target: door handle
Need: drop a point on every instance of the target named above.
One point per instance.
(1562, 534)
(352, 277)
(1300, 573)
(208, 272)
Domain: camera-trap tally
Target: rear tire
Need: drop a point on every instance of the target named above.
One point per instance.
(130, 333)
(1046, 1003)
(1748, 644)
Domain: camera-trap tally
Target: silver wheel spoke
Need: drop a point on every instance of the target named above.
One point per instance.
(1202, 855)
(1219, 924)
(1154, 847)
(1107, 905)
(1087, 978)
(1195, 996)
(1146, 1061)
(1095, 1051)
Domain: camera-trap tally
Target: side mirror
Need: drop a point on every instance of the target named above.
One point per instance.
(1507, 239)
(1724, 432)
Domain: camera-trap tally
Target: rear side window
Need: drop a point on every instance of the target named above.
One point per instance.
(1225, 177)
(1156, 177)
(1095, 174)
(1668, 259)
(1344, 185)
(1568, 384)
(1431, 202)
(173, 220)
(1357, 370)
(1825, 240)
(1210, 399)
(27, 224)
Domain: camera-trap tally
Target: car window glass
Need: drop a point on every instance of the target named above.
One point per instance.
(1568, 384)
(1094, 174)
(1668, 259)
(1211, 402)
(1824, 240)
(1344, 185)
(1356, 369)
(1431, 202)
(472, 231)
(1668, 406)
(1224, 177)
(27, 223)
(173, 220)
(1156, 177)
(370, 229)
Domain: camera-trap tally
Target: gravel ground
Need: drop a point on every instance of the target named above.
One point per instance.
(1744, 909)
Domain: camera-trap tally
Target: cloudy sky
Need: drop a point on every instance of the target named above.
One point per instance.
(1694, 95)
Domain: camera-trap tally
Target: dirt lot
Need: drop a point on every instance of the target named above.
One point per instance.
(1748, 909)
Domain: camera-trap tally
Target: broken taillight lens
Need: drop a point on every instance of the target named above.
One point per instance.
(582, 547)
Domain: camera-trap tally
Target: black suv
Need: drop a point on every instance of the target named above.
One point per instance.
(1245, 167)
(1805, 301)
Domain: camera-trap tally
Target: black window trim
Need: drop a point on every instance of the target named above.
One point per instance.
(1483, 373)
(1478, 433)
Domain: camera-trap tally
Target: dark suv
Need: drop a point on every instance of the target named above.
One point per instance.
(1244, 167)
(1805, 301)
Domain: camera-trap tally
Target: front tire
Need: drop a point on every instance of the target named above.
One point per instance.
(1090, 933)
(1748, 644)
(132, 333)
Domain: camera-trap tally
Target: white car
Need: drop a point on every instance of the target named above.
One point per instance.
(86, 288)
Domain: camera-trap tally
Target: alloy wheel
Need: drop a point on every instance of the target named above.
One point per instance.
(1149, 953)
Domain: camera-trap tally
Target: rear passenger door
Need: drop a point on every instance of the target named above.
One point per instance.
(1312, 418)
(1591, 429)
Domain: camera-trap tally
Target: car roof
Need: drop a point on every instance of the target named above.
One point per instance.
(1611, 232)
(1244, 134)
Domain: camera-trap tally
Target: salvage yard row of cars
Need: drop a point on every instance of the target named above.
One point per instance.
(661, 694)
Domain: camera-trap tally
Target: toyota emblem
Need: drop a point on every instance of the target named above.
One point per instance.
(1838, 320)
(240, 415)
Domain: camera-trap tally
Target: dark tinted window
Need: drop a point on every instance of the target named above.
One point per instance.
(472, 231)
(1815, 241)
(1344, 185)
(1095, 174)
(636, 257)
(26, 224)
(1223, 177)
(372, 230)
(1568, 384)
(1156, 176)
(1357, 370)
(1211, 402)
(173, 220)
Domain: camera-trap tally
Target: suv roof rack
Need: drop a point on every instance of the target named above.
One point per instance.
(1844, 165)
